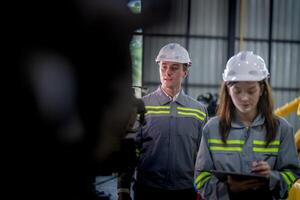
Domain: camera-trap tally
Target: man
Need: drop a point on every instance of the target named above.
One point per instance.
(169, 140)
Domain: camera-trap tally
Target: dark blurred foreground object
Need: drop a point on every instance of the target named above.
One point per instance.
(68, 101)
(210, 101)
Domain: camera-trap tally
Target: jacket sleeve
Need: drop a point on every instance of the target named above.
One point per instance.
(286, 171)
(206, 183)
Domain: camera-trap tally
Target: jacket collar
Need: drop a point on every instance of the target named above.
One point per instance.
(259, 120)
(164, 99)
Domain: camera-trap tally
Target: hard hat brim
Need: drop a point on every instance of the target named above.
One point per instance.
(240, 77)
(173, 60)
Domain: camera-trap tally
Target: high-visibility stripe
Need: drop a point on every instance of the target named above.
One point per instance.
(217, 148)
(157, 107)
(201, 176)
(291, 176)
(287, 180)
(191, 109)
(201, 179)
(200, 184)
(265, 150)
(157, 112)
(260, 142)
(218, 141)
(189, 114)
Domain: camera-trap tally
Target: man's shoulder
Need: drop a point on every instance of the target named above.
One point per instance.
(194, 103)
(151, 97)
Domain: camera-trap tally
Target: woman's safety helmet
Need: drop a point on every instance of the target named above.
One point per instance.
(245, 66)
(175, 53)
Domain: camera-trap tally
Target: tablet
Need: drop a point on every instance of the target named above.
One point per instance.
(222, 176)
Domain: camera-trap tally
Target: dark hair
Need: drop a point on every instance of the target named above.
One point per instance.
(265, 107)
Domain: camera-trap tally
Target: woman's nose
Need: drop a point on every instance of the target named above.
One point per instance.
(245, 97)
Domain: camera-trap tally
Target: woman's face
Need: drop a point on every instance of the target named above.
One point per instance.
(245, 96)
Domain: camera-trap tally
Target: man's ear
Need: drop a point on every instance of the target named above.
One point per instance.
(186, 73)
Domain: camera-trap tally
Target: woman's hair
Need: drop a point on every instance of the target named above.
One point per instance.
(264, 107)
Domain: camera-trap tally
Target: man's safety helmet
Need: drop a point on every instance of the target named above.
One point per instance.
(175, 53)
(245, 66)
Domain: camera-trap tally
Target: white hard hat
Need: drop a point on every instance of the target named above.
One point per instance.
(175, 53)
(245, 66)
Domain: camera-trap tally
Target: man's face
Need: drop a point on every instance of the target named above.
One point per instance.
(171, 74)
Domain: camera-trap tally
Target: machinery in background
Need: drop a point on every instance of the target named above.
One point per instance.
(210, 101)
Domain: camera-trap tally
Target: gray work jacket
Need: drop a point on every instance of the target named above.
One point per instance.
(169, 140)
(245, 145)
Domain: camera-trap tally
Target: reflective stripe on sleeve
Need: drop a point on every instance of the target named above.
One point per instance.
(201, 179)
(288, 177)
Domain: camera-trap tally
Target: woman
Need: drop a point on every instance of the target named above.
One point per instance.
(246, 137)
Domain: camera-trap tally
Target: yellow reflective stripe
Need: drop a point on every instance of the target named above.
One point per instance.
(290, 175)
(217, 141)
(201, 176)
(200, 184)
(286, 179)
(193, 114)
(157, 107)
(191, 109)
(270, 150)
(225, 148)
(157, 112)
(260, 142)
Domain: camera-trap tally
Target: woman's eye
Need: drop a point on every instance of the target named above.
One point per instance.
(236, 91)
(251, 92)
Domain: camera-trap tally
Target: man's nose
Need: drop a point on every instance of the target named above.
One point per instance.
(169, 71)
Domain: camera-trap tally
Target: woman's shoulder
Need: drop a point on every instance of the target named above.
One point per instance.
(283, 123)
(212, 122)
(285, 129)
